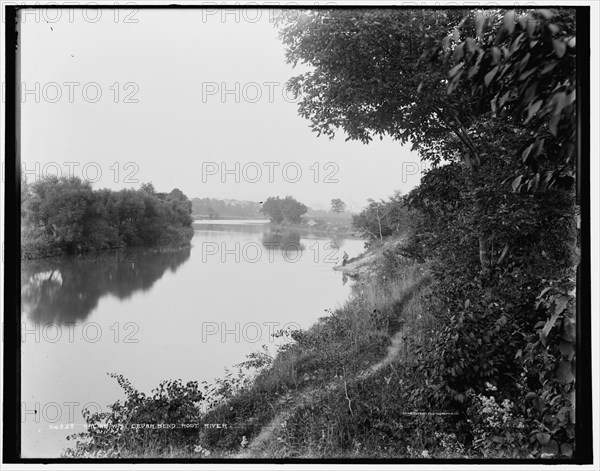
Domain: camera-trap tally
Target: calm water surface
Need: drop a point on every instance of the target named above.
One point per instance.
(162, 313)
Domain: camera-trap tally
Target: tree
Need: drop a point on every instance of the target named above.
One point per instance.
(398, 73)
(212, 214)
(381, 219)
(59, 207)
(148, 188)
(368, 79)
(65, 214)
(179, 207)
(337, 205)
(523, 65)
(286, 209)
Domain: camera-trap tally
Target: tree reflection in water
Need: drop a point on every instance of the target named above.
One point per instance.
(67, 289)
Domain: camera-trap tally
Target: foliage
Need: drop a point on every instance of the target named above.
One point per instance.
(337, 205)
(489, 98)
(286, 209)
(364, 75)
(166, 418)
(521, 66)
(498, 429)
(65, 214)
(382, 219)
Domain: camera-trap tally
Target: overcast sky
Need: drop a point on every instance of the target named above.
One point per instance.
(186, 95)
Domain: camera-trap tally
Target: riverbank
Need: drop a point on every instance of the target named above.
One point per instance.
(332, 391)
(35, 249)
(321, 226)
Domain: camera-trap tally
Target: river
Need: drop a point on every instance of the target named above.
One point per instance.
(156, 313)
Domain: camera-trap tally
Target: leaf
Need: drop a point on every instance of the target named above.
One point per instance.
(523, 62)
(456, 78)
(473, 71)
(548, 68)
(458, 52)
(489, 76)
(547, 14)
(567, 349)
(560, 304)
(566, 450)
(539, 146)
(496, 55)
(559, 47)
(534, 182)
(516, 183)
(553, 124)
(504, 98)
(470, 44)
(568, 330)
(526, 153)
(564, 372)
(525, 75)
(533, 109)
(549, 324)
(446, 42)
(543, 438)
(531, 25)
(454, 70)
(560, 101)
(551, 448)
(509, 21)
(479, 23)
(519, 354)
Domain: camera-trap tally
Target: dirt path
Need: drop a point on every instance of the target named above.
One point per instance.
(393, 351)
(268, 431)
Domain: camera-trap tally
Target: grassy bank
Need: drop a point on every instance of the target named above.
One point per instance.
(363, 382)
(331, 391)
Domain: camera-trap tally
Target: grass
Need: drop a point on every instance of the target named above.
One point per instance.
(309, 402)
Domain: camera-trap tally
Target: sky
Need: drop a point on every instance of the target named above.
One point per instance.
(188, 99)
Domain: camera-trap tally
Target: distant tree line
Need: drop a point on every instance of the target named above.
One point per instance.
(66, 215)
(215, 208)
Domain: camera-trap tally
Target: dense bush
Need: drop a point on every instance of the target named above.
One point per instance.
(67, 215)
(142, 424)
